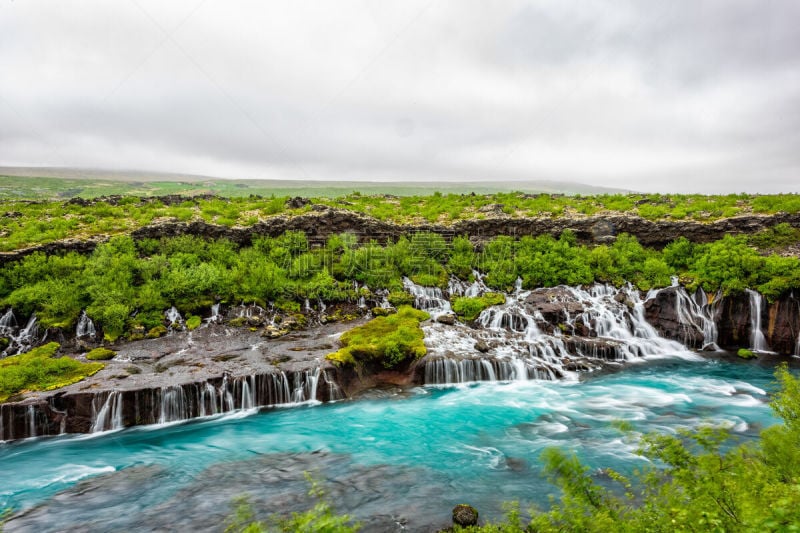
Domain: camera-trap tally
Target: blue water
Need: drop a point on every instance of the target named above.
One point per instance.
(420, 450)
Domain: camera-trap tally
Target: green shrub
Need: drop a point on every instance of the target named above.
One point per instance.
(100, 354)
(39, 370)
(468, 308)
(387, 340)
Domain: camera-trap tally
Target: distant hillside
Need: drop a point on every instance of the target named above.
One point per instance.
(54, 183)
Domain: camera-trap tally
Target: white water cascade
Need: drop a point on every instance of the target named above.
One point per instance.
(109, 415)
(758, 342)
(430, 299)
(520, 344)
(19, 339)
(174, 317)
(85, 327)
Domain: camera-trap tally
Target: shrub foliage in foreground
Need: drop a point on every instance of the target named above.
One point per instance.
(387, 340)
(39, 370)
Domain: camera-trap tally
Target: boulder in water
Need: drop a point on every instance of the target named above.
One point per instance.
(448, 319)
(465, 515)
(481, 346)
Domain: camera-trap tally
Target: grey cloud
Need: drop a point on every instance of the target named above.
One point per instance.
(673, 96)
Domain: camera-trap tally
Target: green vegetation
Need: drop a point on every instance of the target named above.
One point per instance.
(39, 370)
(744, 353)
(468, 308)
(126, 285)
(193, 322)
(100, 354)
(28, 223)
(387, 340)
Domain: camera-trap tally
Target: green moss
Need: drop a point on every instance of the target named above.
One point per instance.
(468, 308)
(100, 354)
(383, 311)
(387, 340)
(39, 370)
(744, 353)
(156, 332)
(237, 322)
(193, 322)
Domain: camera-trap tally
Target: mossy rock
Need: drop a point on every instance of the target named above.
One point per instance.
(193, 322)
(4, 343)
(385, 340)
(39, 370)
(156, 332)
(744, 353)
(465, 515)
(383, 311)
(100, 354)
(237, 322)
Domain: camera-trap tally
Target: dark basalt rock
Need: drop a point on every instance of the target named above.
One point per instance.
(662, 313)
(553, 302)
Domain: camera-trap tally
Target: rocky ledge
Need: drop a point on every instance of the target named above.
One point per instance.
(325, 221)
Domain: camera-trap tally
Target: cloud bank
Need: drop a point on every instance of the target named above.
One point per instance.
(680, 96)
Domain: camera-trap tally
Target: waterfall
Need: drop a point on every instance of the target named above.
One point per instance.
(456, 287)
(174, 318)
(85, 327)
(430, 299)
(109, 415)
(7, 322)
(586, 328)
(30, 417)
(758, 342)
(215, 316)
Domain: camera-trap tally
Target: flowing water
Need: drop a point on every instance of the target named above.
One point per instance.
(393, 458)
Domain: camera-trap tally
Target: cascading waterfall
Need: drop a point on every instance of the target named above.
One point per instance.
(85, 327)
(7, 322)
(19, 340)
(430, 299)
(31, 419)
(523, 345)
(758, 342)
(174, 318)
(182, 402)
(109, 415)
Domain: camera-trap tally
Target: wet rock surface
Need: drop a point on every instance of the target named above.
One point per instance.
(132, 499)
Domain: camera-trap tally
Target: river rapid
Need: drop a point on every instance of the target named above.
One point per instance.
(395, 459)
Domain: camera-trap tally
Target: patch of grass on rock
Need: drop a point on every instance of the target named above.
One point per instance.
(468, 308)
(39, 370)
(386, 340)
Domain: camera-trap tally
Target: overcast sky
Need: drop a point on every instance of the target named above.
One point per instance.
(665, 96)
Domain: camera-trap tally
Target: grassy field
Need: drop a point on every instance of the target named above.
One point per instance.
(27, 184)
(26, 223)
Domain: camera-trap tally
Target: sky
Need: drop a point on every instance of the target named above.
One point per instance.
(678, 96)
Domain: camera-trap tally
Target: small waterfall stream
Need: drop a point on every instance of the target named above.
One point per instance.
(758, 342)
(85, 327)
